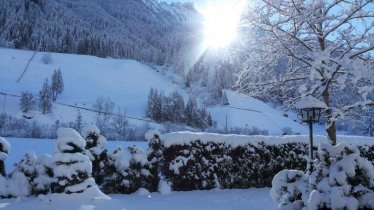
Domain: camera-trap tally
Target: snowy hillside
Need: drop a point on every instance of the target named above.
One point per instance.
(127, 83)
(145, 30)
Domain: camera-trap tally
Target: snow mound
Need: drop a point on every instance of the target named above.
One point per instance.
(4, 148)
(308, 102)
(151, 134)
(164, 187)
(91, 196)
(69, 140)
(142, 191)
(90, 129)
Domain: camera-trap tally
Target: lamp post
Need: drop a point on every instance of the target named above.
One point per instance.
(310, 112)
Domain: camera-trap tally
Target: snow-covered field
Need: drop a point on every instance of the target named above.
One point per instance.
(249, 199)
(127, 83)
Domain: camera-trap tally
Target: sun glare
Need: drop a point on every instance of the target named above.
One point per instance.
(221, 23)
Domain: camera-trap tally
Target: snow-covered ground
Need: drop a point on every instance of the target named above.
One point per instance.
(127, 83)
(250, 199)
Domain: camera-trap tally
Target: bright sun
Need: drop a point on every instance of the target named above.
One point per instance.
(221, 23)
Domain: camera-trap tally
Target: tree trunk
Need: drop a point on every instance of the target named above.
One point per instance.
(330, 122)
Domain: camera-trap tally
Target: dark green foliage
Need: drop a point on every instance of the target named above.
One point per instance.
(2, 168)
(200, 166)
(96, 151)
(129, 171)
(77, 178)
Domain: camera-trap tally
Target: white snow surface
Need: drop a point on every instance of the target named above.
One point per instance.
(164, 187)
(127, 83)
(185, 137)
(92, 199)
(68, 135)
(149, 135)
(87, 129)
(309, 102)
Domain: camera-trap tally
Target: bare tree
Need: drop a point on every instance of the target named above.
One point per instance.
(27, 101)
(120, 123)
(104, 106)
(328, 44)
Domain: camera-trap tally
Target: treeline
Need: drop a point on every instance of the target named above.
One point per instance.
(115, 127)
(161, 108)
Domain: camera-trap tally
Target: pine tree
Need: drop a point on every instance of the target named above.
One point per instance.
(225, 101)
(190, 112)
(177, 102)
(27, 101)
(154, 105)
(57, 85)
(45, 98)
(150, 103)
(78, 122)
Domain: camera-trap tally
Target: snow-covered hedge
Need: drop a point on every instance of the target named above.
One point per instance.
(194, 161)
(174, 161)
(131, 169)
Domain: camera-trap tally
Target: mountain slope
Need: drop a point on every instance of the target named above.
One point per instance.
(127, 83)
(143, 30)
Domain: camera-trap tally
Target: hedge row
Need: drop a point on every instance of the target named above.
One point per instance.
(186, 162)
(201, 164)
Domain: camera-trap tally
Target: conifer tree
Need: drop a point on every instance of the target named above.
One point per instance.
(45, 98)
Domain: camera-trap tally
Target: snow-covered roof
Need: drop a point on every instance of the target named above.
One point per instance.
(309, 102)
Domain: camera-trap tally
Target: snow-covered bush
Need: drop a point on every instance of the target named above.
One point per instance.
(44, 175)
(4, 151)
(31, 176)
(289, 187)
(72, 170)
(341, 179)
(96, 150)
(155, 157)
(128, 171)
(24, 174)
